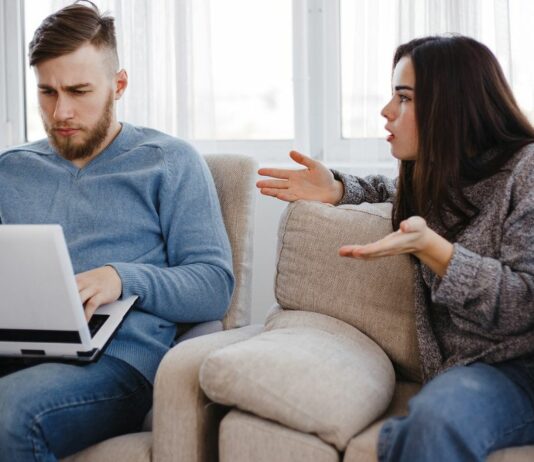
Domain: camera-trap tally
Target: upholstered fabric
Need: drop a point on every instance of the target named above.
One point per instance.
(246, 438)
(308, 379)
(234, 177)
(183, 416)
(362, 448)
(374, 296)
(132, 448)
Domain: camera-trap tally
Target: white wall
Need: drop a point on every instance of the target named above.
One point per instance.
(268, 211)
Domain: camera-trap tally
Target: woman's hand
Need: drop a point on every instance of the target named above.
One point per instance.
(414, 237)
(315, 182)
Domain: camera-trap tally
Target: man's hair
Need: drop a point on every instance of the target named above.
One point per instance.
(68, 29)
(469, 125)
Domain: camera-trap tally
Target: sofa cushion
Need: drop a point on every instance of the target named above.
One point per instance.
(307, 379)
(374, 296)
(244, 438)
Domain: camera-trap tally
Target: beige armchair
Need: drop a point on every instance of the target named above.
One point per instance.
(234, 177)
(336, 356)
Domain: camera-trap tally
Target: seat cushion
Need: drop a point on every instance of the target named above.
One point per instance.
(374, 296)
(245, 438)
(362, 448)
(304, 378)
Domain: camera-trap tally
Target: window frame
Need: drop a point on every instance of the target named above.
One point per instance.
(316, 93)
(12, 81)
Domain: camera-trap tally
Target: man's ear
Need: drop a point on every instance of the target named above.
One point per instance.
(121, 82)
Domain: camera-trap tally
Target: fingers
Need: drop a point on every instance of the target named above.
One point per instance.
(284, 174)
(273, 184)
(412, 224)
(92, 305)
(87, 293)
(302, 159)
(281, 194)
(281, 173)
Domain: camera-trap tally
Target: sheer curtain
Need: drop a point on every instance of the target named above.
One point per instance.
(380, 25)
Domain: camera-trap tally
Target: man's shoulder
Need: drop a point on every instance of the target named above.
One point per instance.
(40, 148)
(168, 145)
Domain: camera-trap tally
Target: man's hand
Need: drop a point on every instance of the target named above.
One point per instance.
(98, 287)
(315, 182)
(414, 237)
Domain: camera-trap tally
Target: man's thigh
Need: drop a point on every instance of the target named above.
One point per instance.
(64, 408)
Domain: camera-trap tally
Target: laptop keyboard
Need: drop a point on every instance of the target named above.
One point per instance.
(96, 322)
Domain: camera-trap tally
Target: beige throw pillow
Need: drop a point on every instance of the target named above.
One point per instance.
(304, 378)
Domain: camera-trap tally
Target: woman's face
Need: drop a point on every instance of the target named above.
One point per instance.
(400, 112)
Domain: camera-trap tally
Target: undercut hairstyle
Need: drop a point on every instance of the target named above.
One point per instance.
(68, 29)
(469, 125)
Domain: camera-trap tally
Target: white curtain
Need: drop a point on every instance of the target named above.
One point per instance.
(505, 26)
(165, 46)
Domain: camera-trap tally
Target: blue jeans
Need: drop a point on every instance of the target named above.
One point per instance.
(464, 414)
(51, 410)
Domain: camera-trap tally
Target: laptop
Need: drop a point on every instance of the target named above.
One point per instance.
(41, 313)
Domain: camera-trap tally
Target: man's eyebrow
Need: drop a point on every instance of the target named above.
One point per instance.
(78, 86)
(403, 87)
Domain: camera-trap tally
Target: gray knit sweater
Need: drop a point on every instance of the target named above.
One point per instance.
(483, 307)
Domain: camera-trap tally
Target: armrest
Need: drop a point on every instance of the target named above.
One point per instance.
(185, 421)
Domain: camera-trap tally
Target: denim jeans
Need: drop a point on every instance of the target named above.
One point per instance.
(464, 414)
(51, 410)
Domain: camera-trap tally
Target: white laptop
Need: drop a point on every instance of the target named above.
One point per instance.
(41, 314)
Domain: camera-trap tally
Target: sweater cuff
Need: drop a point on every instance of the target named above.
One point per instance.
(352, 191)
(453, 288)
(131, 284)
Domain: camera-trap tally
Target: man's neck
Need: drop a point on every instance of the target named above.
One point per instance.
(113, 131)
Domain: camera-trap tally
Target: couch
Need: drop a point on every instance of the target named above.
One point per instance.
(234, 177)
(336, 356)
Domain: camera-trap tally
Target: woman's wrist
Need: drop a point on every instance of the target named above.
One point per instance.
(338, 190)
(436, 252)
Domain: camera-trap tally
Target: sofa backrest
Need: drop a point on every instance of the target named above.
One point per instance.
(234, 177)
(375, 296)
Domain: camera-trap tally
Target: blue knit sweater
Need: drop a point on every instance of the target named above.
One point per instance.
(147, 206)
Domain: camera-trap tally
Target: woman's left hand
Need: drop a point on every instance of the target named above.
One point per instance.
(414, 237)
(411, 237)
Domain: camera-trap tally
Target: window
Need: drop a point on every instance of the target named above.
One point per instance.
(265, 77)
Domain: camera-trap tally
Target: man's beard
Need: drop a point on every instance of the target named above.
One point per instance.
(71, 150)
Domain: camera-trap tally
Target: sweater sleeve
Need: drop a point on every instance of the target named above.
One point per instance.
(197, 284)
(496, 295)
(372, 189)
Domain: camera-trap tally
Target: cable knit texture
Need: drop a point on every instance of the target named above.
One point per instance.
(483, 307)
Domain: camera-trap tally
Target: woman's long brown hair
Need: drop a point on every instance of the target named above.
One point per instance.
(464, 109)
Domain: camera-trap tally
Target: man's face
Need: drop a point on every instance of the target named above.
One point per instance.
(77, 95)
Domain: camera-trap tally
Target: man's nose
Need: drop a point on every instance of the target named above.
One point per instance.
(63, 109)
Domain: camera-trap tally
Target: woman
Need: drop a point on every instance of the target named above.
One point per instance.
(463, 205)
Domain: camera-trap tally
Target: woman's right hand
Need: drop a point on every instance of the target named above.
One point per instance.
(315, 182)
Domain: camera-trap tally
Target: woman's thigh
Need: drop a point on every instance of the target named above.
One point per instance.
(464, 414)
(62, 408)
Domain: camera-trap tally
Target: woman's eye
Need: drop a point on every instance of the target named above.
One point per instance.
(403, 98)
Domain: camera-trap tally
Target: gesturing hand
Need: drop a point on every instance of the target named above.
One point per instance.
(315, 182)
(98, 287)
(414, 237)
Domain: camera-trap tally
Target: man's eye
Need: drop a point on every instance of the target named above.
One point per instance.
(47, 92)
(80, 92)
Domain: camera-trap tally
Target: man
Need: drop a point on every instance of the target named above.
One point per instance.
(141, 217)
